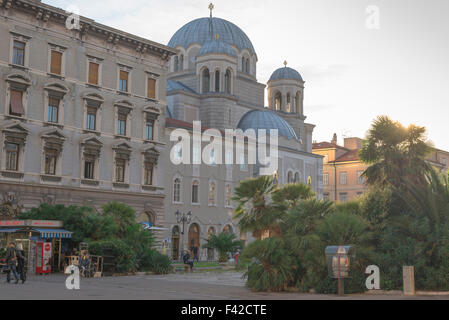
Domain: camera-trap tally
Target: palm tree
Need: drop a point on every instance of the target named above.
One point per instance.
(255, 210)
(394, 153)
(225, 243)
(290, 195)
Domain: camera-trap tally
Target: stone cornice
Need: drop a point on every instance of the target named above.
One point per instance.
(45, 12)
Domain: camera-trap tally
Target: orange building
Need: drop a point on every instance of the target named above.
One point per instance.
(342, 169)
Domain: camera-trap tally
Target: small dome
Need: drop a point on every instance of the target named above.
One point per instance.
(285, 73)
(201, 31)
(265, 119)
(216, 46)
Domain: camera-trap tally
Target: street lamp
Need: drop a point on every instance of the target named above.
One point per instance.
(183, 218)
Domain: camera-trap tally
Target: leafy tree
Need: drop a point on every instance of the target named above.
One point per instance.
(394, 153)
(224, 243)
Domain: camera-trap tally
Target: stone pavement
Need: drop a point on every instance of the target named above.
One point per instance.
(200, 286)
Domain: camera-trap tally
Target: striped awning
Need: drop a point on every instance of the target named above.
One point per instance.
(53, 233)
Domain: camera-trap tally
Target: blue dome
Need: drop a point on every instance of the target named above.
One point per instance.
(265, 119)
(216, 46)
(199, 31)
(285, 73)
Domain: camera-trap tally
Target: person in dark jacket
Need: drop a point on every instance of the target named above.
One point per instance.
(187, 260)
(21, 262)
(11, 261)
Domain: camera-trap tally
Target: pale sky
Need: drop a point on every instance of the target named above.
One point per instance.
(352, 73)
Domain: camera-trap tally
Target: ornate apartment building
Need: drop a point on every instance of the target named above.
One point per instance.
(82, 112)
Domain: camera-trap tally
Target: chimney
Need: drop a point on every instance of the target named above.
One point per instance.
(353, 143)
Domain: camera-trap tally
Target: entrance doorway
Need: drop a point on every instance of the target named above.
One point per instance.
(194, 240)
(210, 251)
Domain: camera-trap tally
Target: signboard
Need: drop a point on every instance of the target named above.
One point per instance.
(12, 223)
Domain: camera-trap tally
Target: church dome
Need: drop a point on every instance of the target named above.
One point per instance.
(285, 73)
(265, 119)
(201, 31)
(216, 46)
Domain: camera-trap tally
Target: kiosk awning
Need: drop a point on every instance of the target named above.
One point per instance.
(53, 233)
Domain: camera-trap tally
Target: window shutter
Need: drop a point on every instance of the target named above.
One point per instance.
(151, 88)
(16, 102)
(56, 62)
(93, 73)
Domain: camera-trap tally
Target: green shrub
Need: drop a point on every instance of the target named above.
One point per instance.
(123, 255)
(160, 263)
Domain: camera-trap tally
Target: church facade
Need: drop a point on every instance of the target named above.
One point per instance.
(213, 79)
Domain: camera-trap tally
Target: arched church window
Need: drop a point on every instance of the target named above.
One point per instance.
(228, 81)
(278, 101)
(181, 62)
(247, 66)
(176, 64)
(289, 104)
(297, 177)
(217, 81)
(290, 177)
(243, 64)
(206, 80)
(297, 102)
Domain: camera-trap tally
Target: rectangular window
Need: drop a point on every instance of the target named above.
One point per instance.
(12, 156)
(151, 88)
(195, 190)
(443, 161)
(196, 155)
(16, 103)
(53, 106)
(91, 118)
(343, 177)
(93, 73)
(18, 53)
(50, 161)
(228, 196)
(326, 196)
(121, 124)
(123, 81)
(148, 178)
(325, 179)
(120, 170)
(360, 178)
(89, 167)
(243, 162)
(149, 129)
(56, 62)
(343, 197)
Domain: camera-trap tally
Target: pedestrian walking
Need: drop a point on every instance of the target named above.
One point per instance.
(21, 262)
(195, 254)
(11, 261)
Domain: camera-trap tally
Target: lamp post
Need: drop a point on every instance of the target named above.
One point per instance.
(183, 218)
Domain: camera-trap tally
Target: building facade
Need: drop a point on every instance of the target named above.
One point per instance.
(213, 79)
(342, 168)
(82, 112)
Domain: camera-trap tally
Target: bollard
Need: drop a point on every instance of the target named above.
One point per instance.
(408, 273)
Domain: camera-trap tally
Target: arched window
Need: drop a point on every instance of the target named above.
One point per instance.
(217, 81)
(195, 191)
(297, 102)
(211, 193)
(247, 66)
(278, 101)
(177, 190)
(290, 177)
(206, 80)
(309, 181)
(228, 196)
(228, 81)
(297, 177)
(289, 104)
(181, 62)
(228, 229)
(176, 64)
(243, 64)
